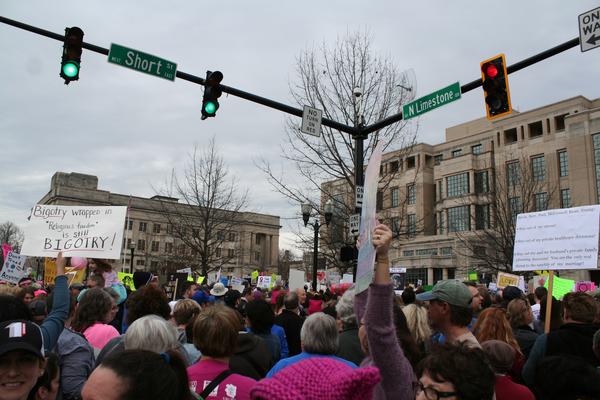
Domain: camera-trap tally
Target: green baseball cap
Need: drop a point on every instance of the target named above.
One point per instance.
(452, 291)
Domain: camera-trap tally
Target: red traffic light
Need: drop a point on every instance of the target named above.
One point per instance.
(494, 80)
(491, 70)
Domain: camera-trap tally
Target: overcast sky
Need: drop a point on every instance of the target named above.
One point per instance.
(132, 129)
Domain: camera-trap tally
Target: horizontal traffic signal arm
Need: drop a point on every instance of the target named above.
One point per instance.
(360, 132)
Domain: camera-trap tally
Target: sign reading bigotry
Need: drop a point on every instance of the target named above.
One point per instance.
(84, 231)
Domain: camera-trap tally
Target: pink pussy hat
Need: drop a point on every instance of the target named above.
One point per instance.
(318, 378)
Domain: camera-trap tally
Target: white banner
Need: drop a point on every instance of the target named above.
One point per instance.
(264, 282)
(557, 239)
(296, 279)
(84, 231)
(14, 268)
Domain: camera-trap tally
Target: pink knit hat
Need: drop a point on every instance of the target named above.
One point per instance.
(318, 378)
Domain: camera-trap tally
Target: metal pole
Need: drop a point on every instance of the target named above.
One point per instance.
(315, 255)
(131, 261)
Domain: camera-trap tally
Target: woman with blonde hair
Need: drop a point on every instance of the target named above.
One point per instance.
(520, 317)
(418, 324)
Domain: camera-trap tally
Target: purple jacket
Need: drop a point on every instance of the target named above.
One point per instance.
(397, 375)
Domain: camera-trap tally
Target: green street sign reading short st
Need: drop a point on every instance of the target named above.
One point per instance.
(142, 62)
(431, 101)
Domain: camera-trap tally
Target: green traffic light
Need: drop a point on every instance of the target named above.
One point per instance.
(210, 107)
(70, 69)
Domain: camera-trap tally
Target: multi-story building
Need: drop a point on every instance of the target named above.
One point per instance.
(437, 196)
(252, 244)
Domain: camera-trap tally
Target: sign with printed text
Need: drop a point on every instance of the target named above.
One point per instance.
(14, 268)
(557, 239)
(84, 231)
(354, 224)
(431, 101)
(264, 282)
(589, 29)
(49, 271)
(311, 121)
(505, 280)
(142, 62)
(360, 192)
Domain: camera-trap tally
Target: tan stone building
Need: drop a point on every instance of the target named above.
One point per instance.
(252, 245)
(440, 193)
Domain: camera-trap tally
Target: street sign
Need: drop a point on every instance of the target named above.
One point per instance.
(311, 121)
(360, 192)
(354, 224)
(431, 101)
(589, 29)
(143, 62)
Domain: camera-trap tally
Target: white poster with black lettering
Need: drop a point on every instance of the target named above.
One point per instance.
(84, 231)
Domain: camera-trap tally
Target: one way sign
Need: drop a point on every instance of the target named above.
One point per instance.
(589, 29)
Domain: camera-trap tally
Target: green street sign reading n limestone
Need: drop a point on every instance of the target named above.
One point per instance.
(431, 101)
(143, 62)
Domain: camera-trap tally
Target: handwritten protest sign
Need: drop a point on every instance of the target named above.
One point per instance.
(254, 275)
(505, 280)
(84, 231)
(14, 267)
(49, 271)
(585, 286)
(264, 282)
(368, 221)
(557, 239)
(174, 285)
(561, 287)
(6, 248)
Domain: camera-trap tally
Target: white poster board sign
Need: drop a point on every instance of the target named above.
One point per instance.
(83, 231)
(296, 280)
(347, 278)
(557, 239)
(14, 268)
(264, 282)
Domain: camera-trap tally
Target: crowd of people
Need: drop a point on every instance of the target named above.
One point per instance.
(456, 341)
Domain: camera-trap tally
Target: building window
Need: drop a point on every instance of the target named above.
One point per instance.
(220, 235)
(141, 245)
(140, 261)
(218, 252)
(481, 182)
(153, 264)
(538, 168)
(258, 239)
(130, 225)
(232, 236)
(457, 184)
(393, 167)
(441, 225)
(541, 201)
(459, 219)
(565, 198)
(416, 276)
(128, 243)
(559, 122)
(196, 232)
(482, 216)
(256, 256)
(143, 226)
(438, 275)
(410, 162)
(230, 253)
(395, 227)
(456, 153)
(156, 228)
(446, 251)
(510, 136)
(411, 226)
(451, 273)
(168, 248)
(513, 174)
(437, 159)
(411, 194)
(395, 197)
(535, 129)
(515, 207)
(169, 229)
(379, 204)
(155, 245)
(440, 191)
(427, 252)
(563, 163)
(408, 253)
(477, 149)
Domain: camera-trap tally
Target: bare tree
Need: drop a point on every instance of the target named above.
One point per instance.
(518, 187)
(11, 234)
(210, 215)
(326, 79)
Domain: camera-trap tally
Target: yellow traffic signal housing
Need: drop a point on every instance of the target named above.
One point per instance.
(495, 87)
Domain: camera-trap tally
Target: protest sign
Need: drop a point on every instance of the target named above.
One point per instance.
(561, 287)
(473, 276)
(557, 239)
(14, 267)
(6, 248)
(505, 280)
(347, 278)
(296, 279)
(84, 231)
(235, 281)
(174, 285)
(49, 271)
(492, 287)
(585, 286)
(74, 275)
(254, 275)
(264, 282)
(368, 221)
(127, 280)
(200, 280)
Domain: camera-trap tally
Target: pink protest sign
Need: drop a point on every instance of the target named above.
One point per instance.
(585, 286)
(6, 248)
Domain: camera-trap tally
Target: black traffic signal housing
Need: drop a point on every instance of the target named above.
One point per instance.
(495, 87)
(212, 92)
(71, 57)
(348, 253)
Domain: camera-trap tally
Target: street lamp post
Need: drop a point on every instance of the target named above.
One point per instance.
(132, 248)
(306, 208)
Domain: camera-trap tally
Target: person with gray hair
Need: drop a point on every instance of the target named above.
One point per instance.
(151, 333)
(291, 322)
(319, 339)
(349, 348)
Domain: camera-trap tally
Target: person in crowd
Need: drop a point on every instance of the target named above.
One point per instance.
(219, 290)
(143, 278)
(539, 293)
(76, 288)
(139, 374)
(408, 296)
(349, 348)
(555, 316)
(318, 379)
(252, 357)
(520, 316)
(189, 289)
(277, 288)
(574, 337)
(114, 308)
(25, 282)
(215, 335)
(152, 333)
(566, 377)
(26, 295)
(38, 310)
(501, 356)
(418, 324)
(291, 322)
(475, 302)
(510, 293)
(21, 358)
(244, 300)
(92, 317)
(147, 300)
(450, 311)
(75, 355)
(95, 281)
(12, 308)
(232, 299)
(260, 321)
(315, 304)
(301, 292)
(455, 371)
(486, 297)
(184, 314)
(377, 332)
(46, 387)
(319, 337)
(407, 342)
(278, 306)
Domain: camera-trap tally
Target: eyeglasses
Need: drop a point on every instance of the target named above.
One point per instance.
(431, 393)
